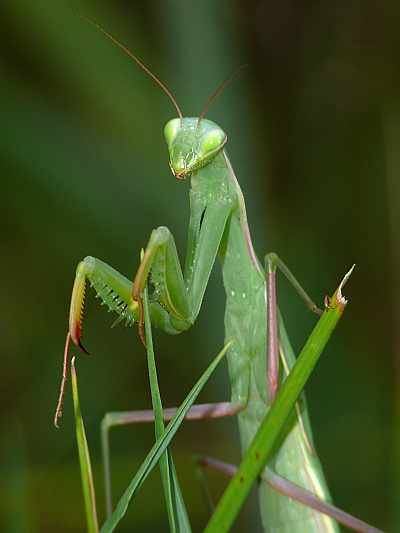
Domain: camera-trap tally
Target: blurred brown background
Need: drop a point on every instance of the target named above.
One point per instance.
(314, 130)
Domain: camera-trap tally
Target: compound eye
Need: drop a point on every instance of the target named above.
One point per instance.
(171, 129)
(213, 140)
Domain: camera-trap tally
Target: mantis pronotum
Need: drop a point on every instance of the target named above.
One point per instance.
(294, 496)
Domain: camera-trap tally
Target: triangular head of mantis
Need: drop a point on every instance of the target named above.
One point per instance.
(192, 144)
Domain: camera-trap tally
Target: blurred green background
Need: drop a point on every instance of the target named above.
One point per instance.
(314, 129)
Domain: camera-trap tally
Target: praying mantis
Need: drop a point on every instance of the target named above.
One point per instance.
(294, 496)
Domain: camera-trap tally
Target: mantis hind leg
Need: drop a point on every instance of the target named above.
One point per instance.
(293, 491)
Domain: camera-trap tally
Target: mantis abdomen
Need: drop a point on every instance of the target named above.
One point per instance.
(245, 322)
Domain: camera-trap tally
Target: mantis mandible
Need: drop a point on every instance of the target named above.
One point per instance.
(295, 496)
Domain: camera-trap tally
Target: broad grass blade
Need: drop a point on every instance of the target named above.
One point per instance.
(177, 514)
(263, 443)
(89, 495)
(160, 446)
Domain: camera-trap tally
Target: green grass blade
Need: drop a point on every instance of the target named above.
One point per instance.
(89, 495)
(182, 518)
(161, 445)
(177, 515)
(262, 445)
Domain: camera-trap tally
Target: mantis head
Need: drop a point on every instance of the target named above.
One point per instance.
(192, 144)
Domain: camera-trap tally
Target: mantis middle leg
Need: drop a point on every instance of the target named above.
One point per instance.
(123, 418)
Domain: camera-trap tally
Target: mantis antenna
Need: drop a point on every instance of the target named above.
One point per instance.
(219, 90)
(141, 65)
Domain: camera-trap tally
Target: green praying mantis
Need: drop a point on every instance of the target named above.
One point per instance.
(293, 494)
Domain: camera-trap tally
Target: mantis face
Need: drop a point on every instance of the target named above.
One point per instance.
(192, 145)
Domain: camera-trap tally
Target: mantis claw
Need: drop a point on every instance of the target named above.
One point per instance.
(75, 331)
(83, 348)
